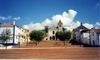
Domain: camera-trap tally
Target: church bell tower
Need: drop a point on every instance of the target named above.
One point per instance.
(60, 25)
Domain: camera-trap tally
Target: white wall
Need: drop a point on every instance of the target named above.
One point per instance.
(77, 36)
(6, 27)
(50, 32)
(17, 32)
(94, 38)
(86, 38)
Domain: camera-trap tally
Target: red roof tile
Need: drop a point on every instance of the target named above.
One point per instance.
(73, 29)
(96, 30)
(60, 21)
(7, 24)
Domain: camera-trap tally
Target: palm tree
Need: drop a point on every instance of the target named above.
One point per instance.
(5, 38)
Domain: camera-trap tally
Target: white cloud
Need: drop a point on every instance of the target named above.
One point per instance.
(66, 18)
(9, 17)
(97, 23)
(89, 26)
(5, 18)
(16, 18)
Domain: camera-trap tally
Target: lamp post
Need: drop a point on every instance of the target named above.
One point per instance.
(19, 41)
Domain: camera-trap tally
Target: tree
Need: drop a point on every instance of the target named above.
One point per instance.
(63, 35)
(5, 38)
(37, 35)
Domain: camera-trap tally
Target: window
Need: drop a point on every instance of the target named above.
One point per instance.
(16, 37)
(53, 32)
(93, 33)
(6, 32)
(60, 25)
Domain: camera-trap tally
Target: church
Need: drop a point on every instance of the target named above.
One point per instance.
(51, 32)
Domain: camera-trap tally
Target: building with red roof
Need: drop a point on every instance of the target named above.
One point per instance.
(19, 34)
(51, 31)
(95, 37)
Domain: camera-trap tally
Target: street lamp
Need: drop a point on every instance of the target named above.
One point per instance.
(19, 41)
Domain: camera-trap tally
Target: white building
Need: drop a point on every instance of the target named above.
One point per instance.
(95, 37)
(85, 36)
(51, 32)
(14, 32)
(76, 32)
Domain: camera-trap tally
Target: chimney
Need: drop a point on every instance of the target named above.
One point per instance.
(14, 22)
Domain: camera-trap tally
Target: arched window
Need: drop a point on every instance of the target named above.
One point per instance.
(53, 32)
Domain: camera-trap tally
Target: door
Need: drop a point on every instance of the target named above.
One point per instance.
(50, 37)
(53, 37)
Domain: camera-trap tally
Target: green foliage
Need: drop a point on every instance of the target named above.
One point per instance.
(63, 35)
(33, 40)
(67, 40)
(4, 37)
(37, 35)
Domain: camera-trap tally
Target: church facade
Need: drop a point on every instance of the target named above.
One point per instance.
(51, 32)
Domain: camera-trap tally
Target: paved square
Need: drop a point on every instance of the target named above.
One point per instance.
(51, 53)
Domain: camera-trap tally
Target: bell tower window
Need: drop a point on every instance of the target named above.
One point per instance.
(60, 25)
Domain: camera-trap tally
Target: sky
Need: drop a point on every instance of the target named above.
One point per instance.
(35, 14)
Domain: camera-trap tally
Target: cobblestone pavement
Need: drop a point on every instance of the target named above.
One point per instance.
(51, 53)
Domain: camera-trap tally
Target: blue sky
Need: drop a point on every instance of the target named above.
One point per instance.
(31, 12)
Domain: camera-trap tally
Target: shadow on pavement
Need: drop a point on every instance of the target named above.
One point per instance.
(73, 42)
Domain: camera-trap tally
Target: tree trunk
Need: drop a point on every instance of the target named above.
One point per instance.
(64, 43)
(27, 40)
(27, 43)
(36, 43)
(6, 44)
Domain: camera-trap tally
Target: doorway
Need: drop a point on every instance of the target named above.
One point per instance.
(53, 37)
(50, 37)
